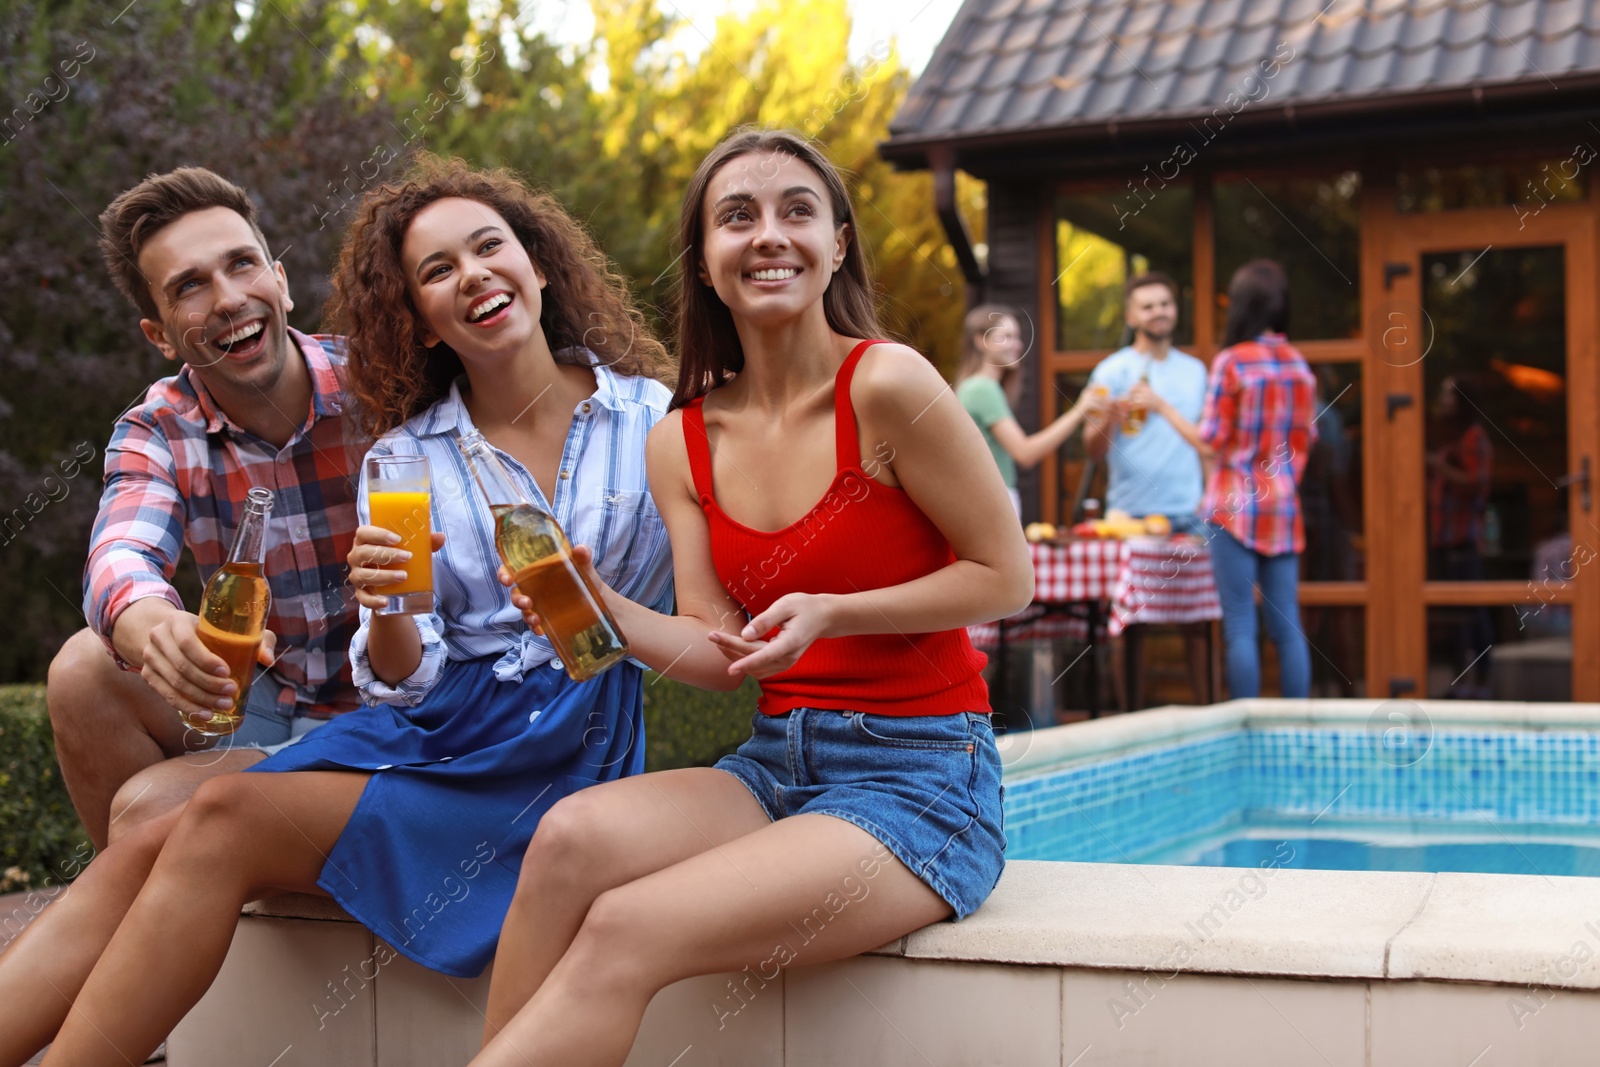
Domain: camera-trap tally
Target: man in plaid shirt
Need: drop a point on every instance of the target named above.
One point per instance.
(254, 404)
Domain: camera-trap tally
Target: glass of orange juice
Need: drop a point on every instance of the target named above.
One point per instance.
(398, 492)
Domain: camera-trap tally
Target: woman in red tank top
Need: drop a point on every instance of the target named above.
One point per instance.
(836, 524)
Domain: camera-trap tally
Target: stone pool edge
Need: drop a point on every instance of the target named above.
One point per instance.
(1527, 930)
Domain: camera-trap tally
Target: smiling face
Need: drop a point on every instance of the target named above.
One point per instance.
(1001, 341)
(471, 279)
(1152, 311)
(223, 303)
(769, 243)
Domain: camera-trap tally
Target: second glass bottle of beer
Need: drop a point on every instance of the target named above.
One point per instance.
(535, 550)
(233, 613)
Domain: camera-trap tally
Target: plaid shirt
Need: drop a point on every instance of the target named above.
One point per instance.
(1259, 417)
(178, 471)
(1455, 512)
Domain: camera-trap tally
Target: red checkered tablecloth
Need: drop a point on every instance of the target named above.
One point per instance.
(1143, 579)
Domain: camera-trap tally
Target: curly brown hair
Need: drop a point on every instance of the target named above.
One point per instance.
(586, 304)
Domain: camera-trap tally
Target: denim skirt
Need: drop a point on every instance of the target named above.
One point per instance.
(926, 786)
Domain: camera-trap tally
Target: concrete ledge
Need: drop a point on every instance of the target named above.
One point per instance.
(1066, 964)
(1220, 920)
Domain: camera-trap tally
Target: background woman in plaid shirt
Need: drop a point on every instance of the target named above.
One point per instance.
(1255, 434)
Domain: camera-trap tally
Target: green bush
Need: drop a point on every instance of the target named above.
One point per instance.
(39, 831)
(689, 727)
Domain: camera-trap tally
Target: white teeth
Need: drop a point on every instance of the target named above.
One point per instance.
(240, 334)
(776, 275)
(489, 307)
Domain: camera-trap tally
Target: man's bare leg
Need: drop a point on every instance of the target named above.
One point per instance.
(115, 739)
(109, 725)
(163, 786)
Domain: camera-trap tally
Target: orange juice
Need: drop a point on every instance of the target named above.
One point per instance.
(407, 515)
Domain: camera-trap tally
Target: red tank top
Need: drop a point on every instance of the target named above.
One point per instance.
(861, 535)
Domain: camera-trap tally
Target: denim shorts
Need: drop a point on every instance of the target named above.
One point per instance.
(927, 786)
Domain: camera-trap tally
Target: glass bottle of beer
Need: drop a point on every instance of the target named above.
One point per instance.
(1134, 420)
(536, 552)
(233, 612)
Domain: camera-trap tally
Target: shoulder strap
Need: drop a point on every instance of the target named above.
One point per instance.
(847, 441)
(698, 446)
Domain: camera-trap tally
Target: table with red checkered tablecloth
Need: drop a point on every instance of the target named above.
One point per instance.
(1142, 580)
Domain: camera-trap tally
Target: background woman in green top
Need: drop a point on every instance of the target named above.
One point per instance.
(988, 384)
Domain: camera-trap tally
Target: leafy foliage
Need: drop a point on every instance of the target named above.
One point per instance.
(689, 727)
(39, 833)
(309, 103)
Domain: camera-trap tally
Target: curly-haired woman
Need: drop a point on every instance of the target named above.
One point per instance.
(469, 302)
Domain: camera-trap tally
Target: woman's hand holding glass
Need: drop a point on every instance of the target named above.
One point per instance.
(375, 562)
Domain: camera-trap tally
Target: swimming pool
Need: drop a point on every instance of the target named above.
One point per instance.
(1491, 798)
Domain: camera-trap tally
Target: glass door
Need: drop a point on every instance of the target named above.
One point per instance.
(1490, 416)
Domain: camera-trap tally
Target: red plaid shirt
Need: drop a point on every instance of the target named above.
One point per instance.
(1259, 417)
(178, 471)
(1455, 512)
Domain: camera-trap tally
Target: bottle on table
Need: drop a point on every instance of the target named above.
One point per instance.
(233, 613)
(535, 550)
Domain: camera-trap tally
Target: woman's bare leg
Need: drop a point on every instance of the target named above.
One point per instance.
(598, 839)
(42, 972)
(240, 835)
(797, 891)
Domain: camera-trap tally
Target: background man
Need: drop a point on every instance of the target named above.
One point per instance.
(1154, 471)
(255, 403)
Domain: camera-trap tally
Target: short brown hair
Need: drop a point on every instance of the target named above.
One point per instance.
(585, 303)
(161, 199)
(1149, 277)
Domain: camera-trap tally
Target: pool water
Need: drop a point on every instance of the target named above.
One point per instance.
(1501, 800)
(1358, 853)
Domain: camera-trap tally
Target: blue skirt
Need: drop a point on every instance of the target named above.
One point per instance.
(430, 857)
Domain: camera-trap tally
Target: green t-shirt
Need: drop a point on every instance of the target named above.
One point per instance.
(985, 401)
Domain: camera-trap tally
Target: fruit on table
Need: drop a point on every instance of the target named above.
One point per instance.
(1120, 524)
(1039, 531)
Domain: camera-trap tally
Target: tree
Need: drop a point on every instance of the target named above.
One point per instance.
(164, 84)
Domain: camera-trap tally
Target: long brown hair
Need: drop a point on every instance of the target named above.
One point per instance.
(709, 352)
(1258, 301)
(979, 321)
(585, 304)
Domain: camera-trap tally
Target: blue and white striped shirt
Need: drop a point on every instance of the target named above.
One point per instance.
(602, 500)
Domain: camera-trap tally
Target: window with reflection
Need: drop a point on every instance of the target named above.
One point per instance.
(1525, 184)
(1102, 240)
(1331, 487)
(1312, 226)
(1496, 438)
(1337, 635)
(1506, 659)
